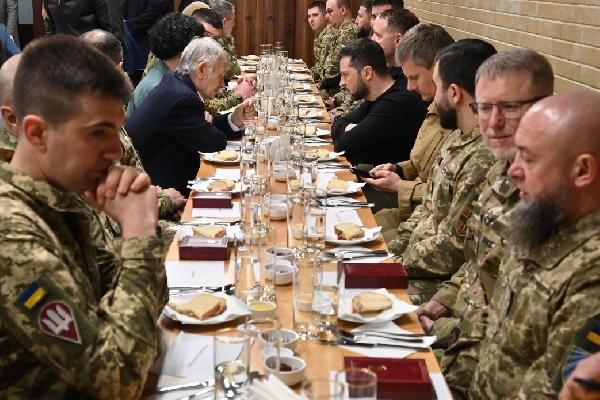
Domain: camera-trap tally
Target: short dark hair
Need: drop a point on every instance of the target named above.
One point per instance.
(458, 63)
(396, 4)
(106, 43)
(63, 68)
(421, 43)
(317, 4)
(399, 20)
(365, 52)
(171, 33)
(208, 16)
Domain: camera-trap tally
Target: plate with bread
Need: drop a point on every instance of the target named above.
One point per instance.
(312, 130)
(217, 185)
(340, 187)
(226, 156)
(307, 99)
(301, 77)
(203, 308)
(322, 155)
(311, 113)
(207, 231)
(369, 306)
(348, 233)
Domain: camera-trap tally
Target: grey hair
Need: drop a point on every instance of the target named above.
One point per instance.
(222, 8)
(199, 50)
(528, 61)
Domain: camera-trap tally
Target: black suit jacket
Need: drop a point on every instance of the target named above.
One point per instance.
(169, 129)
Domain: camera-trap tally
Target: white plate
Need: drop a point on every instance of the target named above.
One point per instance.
(301, 87)
(298, 68)
(353, 187)
(301, 77)
(399, 307)
(203, 186)
(211, 157)
(370, 234)
(319, 132)
(332, 156)
(311, 113)
(235, 309)
(182, 231)
(251, 57)
(307, 99)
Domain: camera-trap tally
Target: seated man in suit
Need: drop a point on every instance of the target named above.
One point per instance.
(169, 128)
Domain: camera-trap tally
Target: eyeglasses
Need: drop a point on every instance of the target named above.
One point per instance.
(509, 109)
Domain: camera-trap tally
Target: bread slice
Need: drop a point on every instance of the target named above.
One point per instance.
(370, 303)
(348, 231)
(337, 184)
(317, 153)
(201, 307)
(209, 231)
(221, 185)
(310, 130)
(226, 155)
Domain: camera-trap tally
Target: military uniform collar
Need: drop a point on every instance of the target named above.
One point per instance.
(462, 139)
(563, 243)
(502, 185)
(346, 23)
(42, 191)
(432, 109)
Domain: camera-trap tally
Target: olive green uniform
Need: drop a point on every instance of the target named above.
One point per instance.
(329, 82)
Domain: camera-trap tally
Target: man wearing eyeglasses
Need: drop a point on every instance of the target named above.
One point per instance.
(507, 84)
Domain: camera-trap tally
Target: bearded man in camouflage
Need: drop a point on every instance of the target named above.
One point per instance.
(64, 332)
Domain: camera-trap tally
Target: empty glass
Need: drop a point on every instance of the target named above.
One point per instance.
(322, 389)
(304, 320)
(314, 227)
(326, 298)
(360, 383)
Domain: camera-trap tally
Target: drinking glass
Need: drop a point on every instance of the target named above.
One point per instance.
(232, 363)
(266, 338)
(322, 389)
(295, 221)
(360, 383)
(247, 268)
(326, 298)
(314, 227)
(303, 282)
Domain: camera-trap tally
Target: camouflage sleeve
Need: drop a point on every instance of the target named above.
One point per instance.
(117, 335)
(233, 68)
(448, 292)
(130, 157)
(579, 307)
(224, 100)
(439, 253)
(405, 230)
(166, 208)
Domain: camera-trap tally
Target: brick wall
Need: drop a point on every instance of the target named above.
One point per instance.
(565, 31)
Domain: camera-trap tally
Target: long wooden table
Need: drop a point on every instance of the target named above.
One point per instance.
(320, 358)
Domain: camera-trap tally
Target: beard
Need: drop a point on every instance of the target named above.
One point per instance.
(448, 119)
(364, 32)
(533, 224)
(361, 90)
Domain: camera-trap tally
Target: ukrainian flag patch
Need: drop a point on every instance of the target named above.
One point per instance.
(32, 296)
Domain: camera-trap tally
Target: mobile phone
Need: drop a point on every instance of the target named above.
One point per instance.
(364, 173)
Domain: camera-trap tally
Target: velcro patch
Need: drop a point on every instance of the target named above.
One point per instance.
(57, 319)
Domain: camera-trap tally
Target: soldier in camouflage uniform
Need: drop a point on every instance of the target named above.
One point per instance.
(65, 334)
(344, 30)
(8, 125)
(343, 104)
(505, 78)
(454, 182)
(320, 50)
(545, 312)
(416, 52)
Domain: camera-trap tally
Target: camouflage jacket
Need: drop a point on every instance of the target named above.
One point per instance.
(63, 333)
(454, 182)
(344, 104)
(320, 49)
(543, 299)
(233, 69)
(8, 143)
(223, 101)
(422, 156)
(330, 71)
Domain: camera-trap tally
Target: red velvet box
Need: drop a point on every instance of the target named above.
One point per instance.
(397, 378)
(211, 200)
(202, 249)
(374, 275)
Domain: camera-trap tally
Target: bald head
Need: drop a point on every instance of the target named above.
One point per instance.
(106, 43)
(7, 78)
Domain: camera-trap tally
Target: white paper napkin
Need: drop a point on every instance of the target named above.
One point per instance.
(195, 273)
(217, 212)
(272, 389)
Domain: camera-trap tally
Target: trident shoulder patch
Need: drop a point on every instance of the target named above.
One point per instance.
(57, 319)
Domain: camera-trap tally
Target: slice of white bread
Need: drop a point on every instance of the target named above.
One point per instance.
(226, 155)
(348, 231)
(310, 130)
(337, 184)
(370, 303)
(201, 307)
(317, 153)
(209, 231)
(221, 185)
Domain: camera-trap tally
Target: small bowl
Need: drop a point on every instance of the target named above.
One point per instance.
(278, 211)
(282, 253)
(271, 351)
(289, 339)
(262, 309)
(281, 273)
(290, 378)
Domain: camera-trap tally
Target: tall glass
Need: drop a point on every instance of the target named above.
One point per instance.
(247, 268)
(314, 227)
(304, 320)
(360, 383)
(322, 389)
(232, 363)
(326, 298)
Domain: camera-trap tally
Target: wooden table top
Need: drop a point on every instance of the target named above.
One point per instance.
(320, 358)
